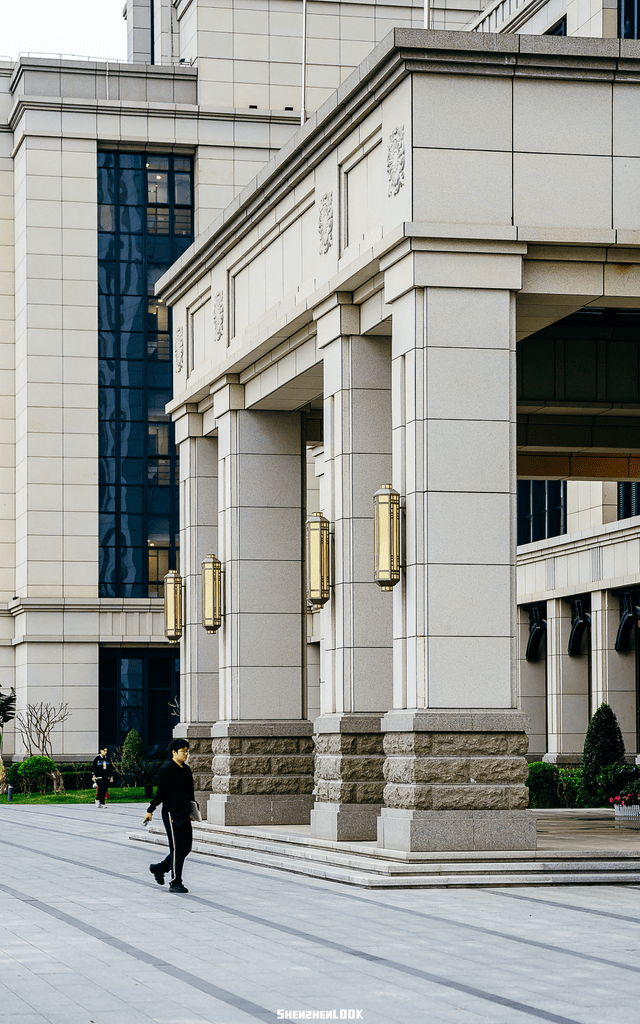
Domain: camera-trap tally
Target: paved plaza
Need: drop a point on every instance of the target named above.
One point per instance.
(87, 937)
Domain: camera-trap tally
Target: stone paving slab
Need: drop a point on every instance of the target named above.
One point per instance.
(87, 937)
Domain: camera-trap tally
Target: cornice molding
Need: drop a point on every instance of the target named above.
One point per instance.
(402, 52)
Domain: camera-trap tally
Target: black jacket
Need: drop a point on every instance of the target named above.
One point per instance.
(102, 767)
(175, 789)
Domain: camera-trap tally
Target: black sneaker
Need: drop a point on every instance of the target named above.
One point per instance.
(178, 887)
(157, 873)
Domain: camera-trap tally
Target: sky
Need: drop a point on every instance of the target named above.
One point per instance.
(83, 28)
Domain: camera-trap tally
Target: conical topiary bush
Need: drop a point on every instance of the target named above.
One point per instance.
(603, 745)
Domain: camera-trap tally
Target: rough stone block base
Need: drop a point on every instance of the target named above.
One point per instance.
(435, 831)
(345, 822)
(260, 809)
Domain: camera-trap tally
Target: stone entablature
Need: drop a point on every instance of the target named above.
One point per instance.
(246, 253)
(576, 563)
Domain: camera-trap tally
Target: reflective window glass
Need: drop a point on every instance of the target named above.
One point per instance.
(132, 440)
(131, 310)
(130, 219)
(130, 188)
(157, 316)
(182, 222)
(157, 187)
(107, 473)
(159, 472)
(132, 471)
(132, 403)
(106, 218)
(107, 530)
(158, 438)
(131, 248)
(131, 345)
(106, 185)
(106, 373)
(131, 279)
(106, 246)
(156, 162)
(183, 188)
(158, 220)
(107, 313)
(145, 203)
(159, 530)
(159, 347)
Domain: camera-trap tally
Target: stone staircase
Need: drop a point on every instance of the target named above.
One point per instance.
(292, 848)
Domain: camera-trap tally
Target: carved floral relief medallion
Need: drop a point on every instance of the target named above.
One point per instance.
(179, 348)
(325, 222)
(395, 160)
(218, 316)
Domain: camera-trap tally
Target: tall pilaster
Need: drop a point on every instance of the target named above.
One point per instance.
(199, 649)
(263, 764)
(455, 742)
(567, 687)
(357, 652)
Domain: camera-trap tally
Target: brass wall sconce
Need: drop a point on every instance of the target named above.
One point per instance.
(173, 606)
(211, 593)
(386, 537)
(317, 537)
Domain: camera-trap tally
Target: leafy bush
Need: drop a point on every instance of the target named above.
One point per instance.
(12, 777)
(603, 746)
(572, 791)
(35, 773)
(615, 779)
(544, 784)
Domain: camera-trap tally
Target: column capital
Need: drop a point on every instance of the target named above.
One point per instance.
(478, 265)
(188, 422)
(336, 318)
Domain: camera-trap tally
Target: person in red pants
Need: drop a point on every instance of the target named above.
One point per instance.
(175, 793)
(102, 772)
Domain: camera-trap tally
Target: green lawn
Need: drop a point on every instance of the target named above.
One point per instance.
(80, 796)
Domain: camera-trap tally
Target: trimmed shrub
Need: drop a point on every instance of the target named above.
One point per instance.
(603, 746)
(133, 747)
(544, 785)
(35, 773)
(75, 775)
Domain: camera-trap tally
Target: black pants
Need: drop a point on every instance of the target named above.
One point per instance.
(101, 792)
(179, 834)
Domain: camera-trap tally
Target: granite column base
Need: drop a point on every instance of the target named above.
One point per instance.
(262, 773)
(349, 780)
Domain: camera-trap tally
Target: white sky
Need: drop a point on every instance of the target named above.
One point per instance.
(86, 28)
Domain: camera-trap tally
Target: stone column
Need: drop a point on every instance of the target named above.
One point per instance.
(613, 673)
(455, 741)
(357, 650)
(567, 688)
(532, 687)
(262, 746)
(199, 649)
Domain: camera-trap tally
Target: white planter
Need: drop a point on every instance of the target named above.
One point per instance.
(632, 811)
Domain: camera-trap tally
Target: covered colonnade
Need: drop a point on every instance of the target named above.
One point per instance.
(351, 321)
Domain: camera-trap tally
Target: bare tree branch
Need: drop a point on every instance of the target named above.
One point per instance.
(37, 722)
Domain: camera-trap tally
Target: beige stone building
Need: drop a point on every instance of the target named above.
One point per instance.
(374, 306)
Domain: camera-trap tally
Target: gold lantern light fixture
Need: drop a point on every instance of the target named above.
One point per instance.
(173, 606)
(211, 593)
(317, 564)
(386, 537)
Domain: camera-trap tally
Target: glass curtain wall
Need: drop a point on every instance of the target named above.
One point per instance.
(145, 222)
(138, 690)
(541, 509)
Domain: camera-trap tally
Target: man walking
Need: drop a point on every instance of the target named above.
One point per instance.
(175, 793)
(102, 772)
